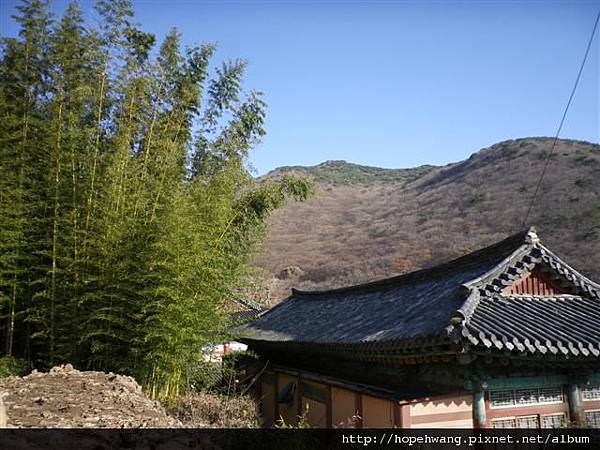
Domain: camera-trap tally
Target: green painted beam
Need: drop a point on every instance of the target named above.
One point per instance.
(527, 382)
(593, 378)
(517, 382)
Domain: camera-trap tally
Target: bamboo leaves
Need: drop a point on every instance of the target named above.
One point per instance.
(127, 214)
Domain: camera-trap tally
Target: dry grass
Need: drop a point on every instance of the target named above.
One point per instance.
(354, 233)
(204, 410)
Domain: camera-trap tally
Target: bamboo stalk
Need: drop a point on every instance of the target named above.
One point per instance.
(164, 174)
(74, 211)
(74, 300)
(161, 93)
(125, 158)
(55, 233)
(145, 162)
(11, 321)
(90, 196)
(21, 180)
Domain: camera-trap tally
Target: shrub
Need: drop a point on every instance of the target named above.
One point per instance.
(10, 366)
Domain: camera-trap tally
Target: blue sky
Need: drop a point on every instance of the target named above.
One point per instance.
(395, 83)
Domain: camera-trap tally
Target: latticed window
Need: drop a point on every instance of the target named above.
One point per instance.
(527, 396)
(550, 395)
(554, 421)
(504, 423)
(528, 422)
(532, 422)
(591, 393)
(502, 398)
(523, 397)
(593, 419)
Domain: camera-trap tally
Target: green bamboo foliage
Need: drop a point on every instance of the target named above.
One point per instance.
(24, 171)
(127, 213)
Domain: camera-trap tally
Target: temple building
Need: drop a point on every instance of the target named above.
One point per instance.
(507, 336)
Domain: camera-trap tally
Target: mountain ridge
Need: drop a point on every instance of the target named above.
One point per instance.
(354, 232)
(344, 165)
(337, 172)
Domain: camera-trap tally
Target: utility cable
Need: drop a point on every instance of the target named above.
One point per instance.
(562, 121)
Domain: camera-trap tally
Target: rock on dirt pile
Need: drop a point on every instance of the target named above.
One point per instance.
(66, 398)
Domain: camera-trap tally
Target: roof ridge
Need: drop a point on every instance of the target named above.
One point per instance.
(484, 279)
(570, 268)
(522, 238)
(460, 320)
(462, 316)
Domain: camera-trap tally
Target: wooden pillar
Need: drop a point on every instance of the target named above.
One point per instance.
(300, 407)
(358, 409)
(402, 415)
(329, 407)
(479, 410)
(575, 405)
(276, 414)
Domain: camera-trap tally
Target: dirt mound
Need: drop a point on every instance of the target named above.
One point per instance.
(66, 398)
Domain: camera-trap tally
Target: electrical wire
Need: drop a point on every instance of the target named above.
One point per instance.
(562, 121)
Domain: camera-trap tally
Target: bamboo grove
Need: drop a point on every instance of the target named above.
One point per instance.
(127, 214)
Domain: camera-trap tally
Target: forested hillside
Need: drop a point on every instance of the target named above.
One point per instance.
(338, 173)
(352, 232)
(126, 213)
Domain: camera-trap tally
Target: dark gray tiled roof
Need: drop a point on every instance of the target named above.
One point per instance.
(404, 307)
(562, 325)
(457, 302)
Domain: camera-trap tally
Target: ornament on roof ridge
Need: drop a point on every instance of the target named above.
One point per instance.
(532, 237)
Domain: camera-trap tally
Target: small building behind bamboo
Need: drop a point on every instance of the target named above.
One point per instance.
(507, 336)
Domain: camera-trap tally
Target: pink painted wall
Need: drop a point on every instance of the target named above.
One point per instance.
(443, 412)
(343, 408)
(377, 413)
